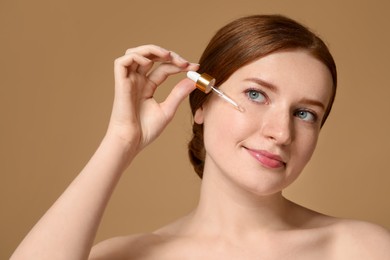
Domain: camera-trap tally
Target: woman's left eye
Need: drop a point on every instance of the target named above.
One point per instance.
(256, 95)
(306, 115)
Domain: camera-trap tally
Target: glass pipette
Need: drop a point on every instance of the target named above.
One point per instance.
(205, 83)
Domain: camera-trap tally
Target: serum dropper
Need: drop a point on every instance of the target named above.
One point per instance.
(205, 83)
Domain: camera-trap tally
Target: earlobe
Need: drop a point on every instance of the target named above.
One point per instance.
(198, 117)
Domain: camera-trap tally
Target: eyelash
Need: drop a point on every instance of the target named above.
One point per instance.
(296, 113)
(312, 113)
(253, 90)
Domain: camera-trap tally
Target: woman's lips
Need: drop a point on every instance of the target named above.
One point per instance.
(267, 159)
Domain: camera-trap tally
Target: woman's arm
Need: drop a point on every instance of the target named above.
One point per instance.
(68, 228)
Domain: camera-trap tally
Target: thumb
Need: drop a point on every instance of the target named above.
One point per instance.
(177, 95)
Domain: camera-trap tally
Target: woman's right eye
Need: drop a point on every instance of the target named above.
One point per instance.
(256, 95)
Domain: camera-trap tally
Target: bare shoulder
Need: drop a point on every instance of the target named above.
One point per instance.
(345, 238)
(361, 240)
(125, 247)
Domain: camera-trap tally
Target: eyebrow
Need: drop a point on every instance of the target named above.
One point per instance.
(275, 89)
(263, 83)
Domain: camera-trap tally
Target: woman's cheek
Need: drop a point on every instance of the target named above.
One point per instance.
(227, 128)
(304, 146)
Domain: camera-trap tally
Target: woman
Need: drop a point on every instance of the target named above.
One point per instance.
(285, 79)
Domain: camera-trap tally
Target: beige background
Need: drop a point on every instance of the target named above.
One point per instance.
(56, 89)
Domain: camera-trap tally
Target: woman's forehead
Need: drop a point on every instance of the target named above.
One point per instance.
(297, 66)
(294, 69)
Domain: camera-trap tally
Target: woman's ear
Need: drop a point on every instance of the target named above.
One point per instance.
(199, 116)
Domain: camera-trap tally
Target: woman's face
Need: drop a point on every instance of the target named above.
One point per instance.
(264, 148)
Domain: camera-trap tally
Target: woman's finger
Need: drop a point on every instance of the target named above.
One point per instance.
(153, 53)
(128, 63)
(148, 50)
(162, 72)
(177, 95)
(140, 60)
(159, 54)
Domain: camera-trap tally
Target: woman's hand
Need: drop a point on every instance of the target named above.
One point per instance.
(68, 228)
(137, 119)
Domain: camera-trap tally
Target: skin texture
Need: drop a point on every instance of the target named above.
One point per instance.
(250, 158)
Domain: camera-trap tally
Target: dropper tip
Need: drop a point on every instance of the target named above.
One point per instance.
(239, 108)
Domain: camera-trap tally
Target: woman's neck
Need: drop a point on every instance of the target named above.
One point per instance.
(224, 207)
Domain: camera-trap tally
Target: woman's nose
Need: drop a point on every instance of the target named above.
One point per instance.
(277, 126)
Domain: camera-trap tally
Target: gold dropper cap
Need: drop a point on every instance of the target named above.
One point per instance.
(205, 83)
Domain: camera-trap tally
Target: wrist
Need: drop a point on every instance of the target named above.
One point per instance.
(125, 149)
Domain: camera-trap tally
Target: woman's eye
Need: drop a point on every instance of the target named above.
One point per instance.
(306, 115)
(256, 96)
